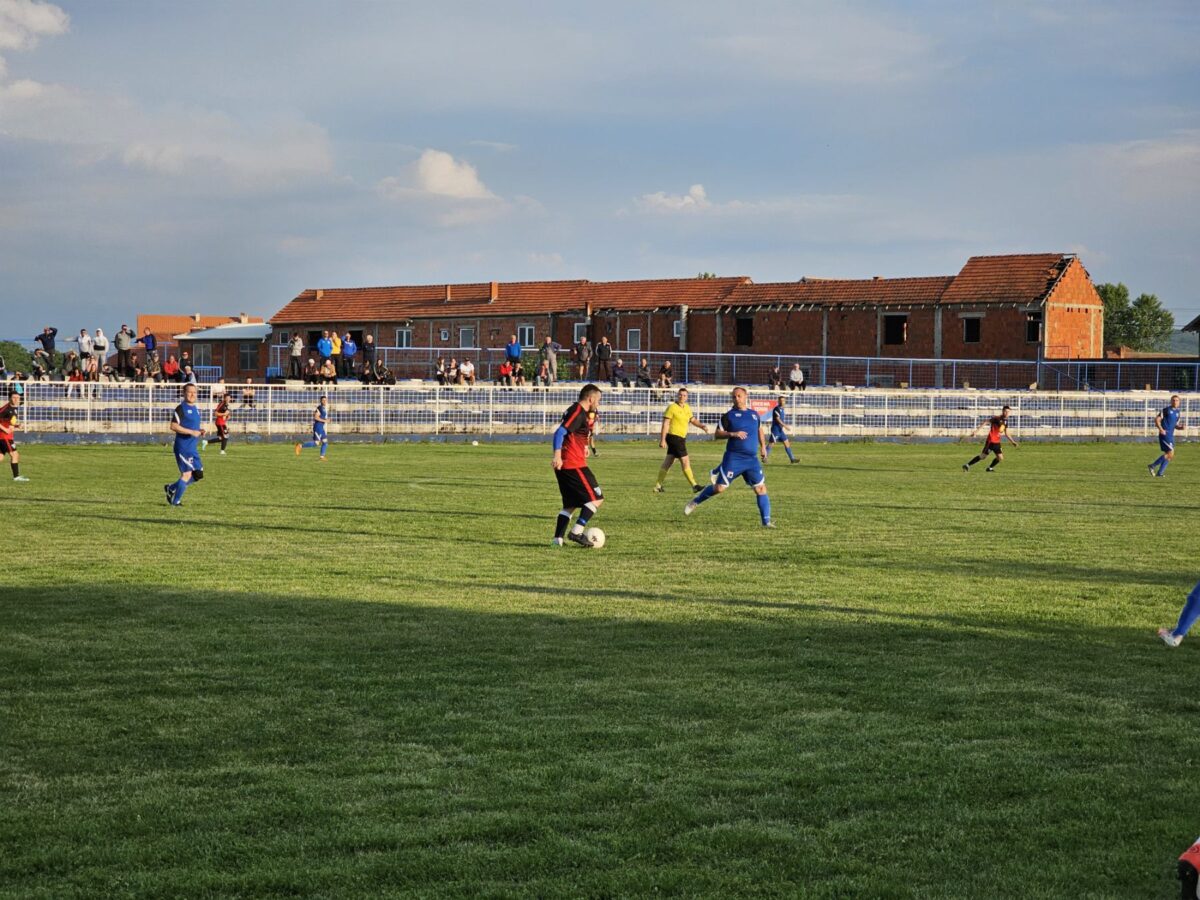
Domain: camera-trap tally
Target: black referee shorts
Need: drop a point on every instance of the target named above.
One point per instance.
(676, 446)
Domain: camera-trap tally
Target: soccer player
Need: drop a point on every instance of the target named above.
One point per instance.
(778, 432)
(745, 446)
(186, 424)
(220, 422)
(9, 423)
(997, 429)
(1172, 637)
(576, 483)
(320, 419)
(673, 438)
(1166, 421)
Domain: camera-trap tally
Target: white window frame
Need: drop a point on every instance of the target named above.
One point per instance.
(677, 328)
(444, 334)
(404, 337)
(463, 330)
(965, 317)
(633, 340)
(242, 348)
(524, 331)
(208, 354)
(580, 331)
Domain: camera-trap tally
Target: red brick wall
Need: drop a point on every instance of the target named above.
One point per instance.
(1074, 317)
(851, 332)
(1002, 335)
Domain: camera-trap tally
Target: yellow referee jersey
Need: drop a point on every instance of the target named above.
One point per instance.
(679, 417)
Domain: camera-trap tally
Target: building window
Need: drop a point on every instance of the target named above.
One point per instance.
(677, 328)
(895, 329)
(466, 337)
(525, 336)
(202, 354)
(248, 356)
(403, 337)
(580, 331)
(1033, 327)
(444, 334)
(743, 334)
(971, 329)
(283, 338)
(633, 339)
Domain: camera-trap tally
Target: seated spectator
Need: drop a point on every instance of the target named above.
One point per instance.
(248, 393)
(440, 373)
(383, 375)
(518, 376)
(366, 373)
(796, 378)
(542, 375)
(453, 375)
(775, 379)
(467, 372)
(108, 373)
(171, 369)
(504, 374)
(619, 378)
(154, 367)
(643, 374)
(188, 376)
(666, 374)
(311, 374)
(328, 372)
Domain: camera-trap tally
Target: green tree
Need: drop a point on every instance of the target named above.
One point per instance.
(16, 357)
(1116, 313)
(1141, 325)
(706, 275)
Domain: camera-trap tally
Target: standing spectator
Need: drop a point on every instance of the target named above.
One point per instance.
(295, 352)
(619, 378)
(368, 351)
(512, 351)
(324, 347)
(604, 359)
(85, 345)
(349, 351)
(583, 357)
(44, 355)
(171, 369)
(335, 346)
(148, 341)
(548, 354)
(643, 374)
(100, 348)
(666, 374)
(796, 378)
(467, 372)
(123, 341)
(775, 379)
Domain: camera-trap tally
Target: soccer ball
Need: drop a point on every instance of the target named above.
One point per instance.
(595, 537)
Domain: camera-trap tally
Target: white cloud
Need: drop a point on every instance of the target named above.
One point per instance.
(695, 199)
(451, 188)
(24, 22)
(437, 172)
(498, 146)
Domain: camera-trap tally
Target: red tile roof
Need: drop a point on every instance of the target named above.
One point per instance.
(1019, 278)
(843, 292)
(166, 327)
(652, 294)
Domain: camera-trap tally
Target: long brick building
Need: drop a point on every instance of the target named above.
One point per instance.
(1029, 306)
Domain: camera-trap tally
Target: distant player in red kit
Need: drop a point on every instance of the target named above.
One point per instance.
(576, 482)
(221, 423)
(997, 431)
(9, 423)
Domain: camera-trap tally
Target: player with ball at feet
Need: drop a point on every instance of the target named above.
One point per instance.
(745, 451)
(576, 483)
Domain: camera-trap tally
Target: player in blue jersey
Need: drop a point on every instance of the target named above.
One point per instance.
(745, 449)
(320, 419)
(1166, 421)
(778, 432)
(1172, 637)
(188, 428)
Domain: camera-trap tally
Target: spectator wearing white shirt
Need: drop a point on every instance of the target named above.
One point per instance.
(796, 378)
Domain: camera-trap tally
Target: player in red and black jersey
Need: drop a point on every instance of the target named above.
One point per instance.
(221, 422)
(576, 482)
(997, 430)
(9, 423)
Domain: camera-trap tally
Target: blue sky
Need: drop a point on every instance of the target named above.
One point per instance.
(221, 157)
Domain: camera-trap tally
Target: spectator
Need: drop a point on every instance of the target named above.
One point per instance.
(324, 347)
(604, 352)
(518, 376)
(335, 342)
(384, 375)
(44, 355)
(123, 341)
(349, 351)
(619, 378)
(72, 371)
(467, 372)
(153, 366)
(91, 373)
(368, 351)
(3, 370)
(188, 376)
(548, 354)
(453, 375)
(796, 378)
(666, 374)
(643, 374)
(248, 393)
(311, 374)
(542, 376)
(185, 359)
(328, 372)
(512, 352)
(171, 369)
(295, 353)
(504, 374)
(583, 357)
(100, 348)
(439, 372)
(366, 374)
(775, 379)
(85, 345)
(148, 341)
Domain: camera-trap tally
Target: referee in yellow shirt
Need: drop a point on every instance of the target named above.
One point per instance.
(673, 439)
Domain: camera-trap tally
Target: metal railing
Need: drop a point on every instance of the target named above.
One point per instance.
(426, 411)
(819, 371)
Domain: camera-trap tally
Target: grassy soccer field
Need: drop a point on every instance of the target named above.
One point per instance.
(374, 676)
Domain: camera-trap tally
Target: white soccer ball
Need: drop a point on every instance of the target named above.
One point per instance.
(595, 537)
(474, 443)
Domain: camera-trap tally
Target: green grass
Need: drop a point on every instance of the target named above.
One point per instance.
(373, 676)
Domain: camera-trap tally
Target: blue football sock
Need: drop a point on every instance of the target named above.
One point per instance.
(764, 507)
(789, 452)
(178, 488)
(324, 447)
(1157, 462)
(704, 494)
(1190, 613)
(1162, 468)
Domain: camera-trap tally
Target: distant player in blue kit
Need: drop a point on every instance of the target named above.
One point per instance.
(188, 428)
(745, 447)
(778, 432)
(320, 419)
(1173, 637)
(1166, 421)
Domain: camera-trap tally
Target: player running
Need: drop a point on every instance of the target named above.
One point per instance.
(320, 419)
(1173, 637)
(1166, 421)
(997, 429)
(741, 428)
(778, 432)
(576, 483)
(673, 438)
(186, 424)
(9, 423)
(220, 422)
